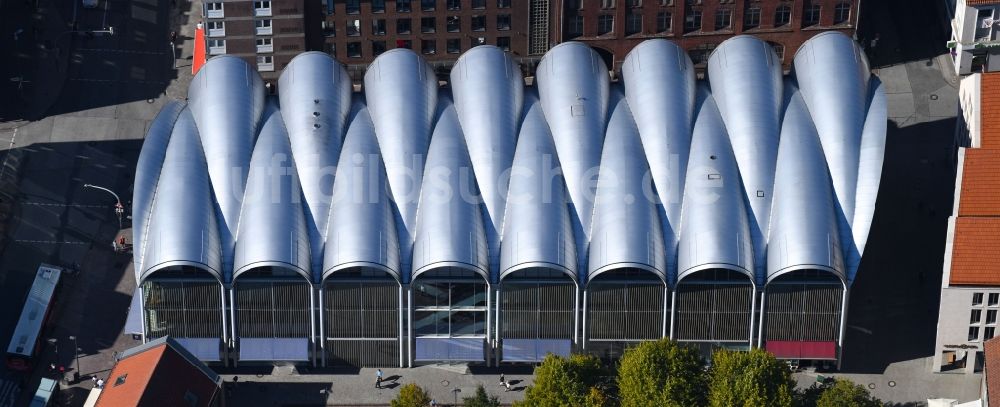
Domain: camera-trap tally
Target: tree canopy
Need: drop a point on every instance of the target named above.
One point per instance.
(845, 393)
(481, 399)
(411, 395)
(749, 379)
(571, 381)
(661, 373)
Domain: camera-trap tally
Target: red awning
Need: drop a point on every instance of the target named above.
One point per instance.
(199, 49)
(814, 350)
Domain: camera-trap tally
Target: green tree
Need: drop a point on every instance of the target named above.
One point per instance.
(661, 373)
(749, 379)
(481, 399)
(411, 395)
(563, 381)
(845, 393)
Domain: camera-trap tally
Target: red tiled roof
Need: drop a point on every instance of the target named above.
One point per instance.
(991, 349)
(980, 183)
(989, 107)
(159, 376)
(975, 259)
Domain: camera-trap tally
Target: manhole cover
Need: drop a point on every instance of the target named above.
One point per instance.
(934, 97)
(445, 383)
(871, 385)
(150, 100)
(892, 383)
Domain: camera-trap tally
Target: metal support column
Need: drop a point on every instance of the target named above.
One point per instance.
(227, 344)
(409, 326)
(399, 329)
(496, 325)
(312, 324)
(232, 316)
(666, 292)
(843, 327)
(576, 313)
(753, 313)
(583, 333)
(322, 328)
(673, 310)
(489, 308)
(760, 328)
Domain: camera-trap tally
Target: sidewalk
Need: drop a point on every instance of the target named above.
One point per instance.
(445, 384)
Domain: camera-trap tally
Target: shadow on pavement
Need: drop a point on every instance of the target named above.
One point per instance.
(253, 393)
(893, 306)
(908, 30)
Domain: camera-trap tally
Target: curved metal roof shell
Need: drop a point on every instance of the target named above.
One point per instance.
(401, 91)
(362, 228)
(272, 230)
(490, 126)
(573, 87)
(450, 229)
(746, 79)
(804, 232)
(147, 172)
(626, 231)
(315, 101)
(660, 86)
(715, 226)
(182, 229)
(206, 150)
(841, 110)
(537, 230)
(226, 98)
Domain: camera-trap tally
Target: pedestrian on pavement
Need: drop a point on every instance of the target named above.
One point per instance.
(100, 383)
(433, 403)
(378, 379)
(236, 380)
(93, 379)
(503, 380)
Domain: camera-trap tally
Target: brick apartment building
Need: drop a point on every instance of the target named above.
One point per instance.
(270, 33)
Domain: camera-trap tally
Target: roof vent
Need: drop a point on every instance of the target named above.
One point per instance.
(120, 380)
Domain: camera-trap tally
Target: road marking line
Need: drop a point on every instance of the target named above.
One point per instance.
(123, 51)
(66, 205)
(50, 242)
(118, 81)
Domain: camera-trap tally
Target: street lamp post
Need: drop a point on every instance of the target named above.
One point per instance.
(119, 209)
(76, 355)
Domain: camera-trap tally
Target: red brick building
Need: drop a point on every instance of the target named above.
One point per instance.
(267, 33)
(614, 27)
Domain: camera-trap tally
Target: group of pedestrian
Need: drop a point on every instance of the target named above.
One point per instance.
(98, 383)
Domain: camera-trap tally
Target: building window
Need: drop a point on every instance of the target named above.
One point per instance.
(841, 13)
(700, 53)
(378, 6)
(973, 333)
(353, 6)
(450, 309)
(453, 24)
(503, 22)
(989, 332)
(977, 299)
(633, 22)
(478, 23)
(574, 4)
(782, 15)
(262, 27)
(666, 2)
(723, 19)
(353, 27)
(216, 47)
(265, 63)
(329, 28)
(779, 50)
(663, 21)
(428, 47)
(214, 10)
(454, 45)
(428, 5)
(427, 25)
(503, 43)
(216, 28)
(403, 6)
(607, 3)
(503, 3)
(576, 26)
(331, 49)
(403, 26)
(378, 26)
(994, 299)
(605, 24)
(811, 16)
(751, 18)
(378, 47)
(265, 45)
(454, 4)
(262, 8)
(633, 3)
(692, 22)
(976, 316)
(354, 50)
(991, 316)
(408, 44)
(478, 4)
(476, 41)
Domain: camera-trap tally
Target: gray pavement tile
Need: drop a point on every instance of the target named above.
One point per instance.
(67, 129)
